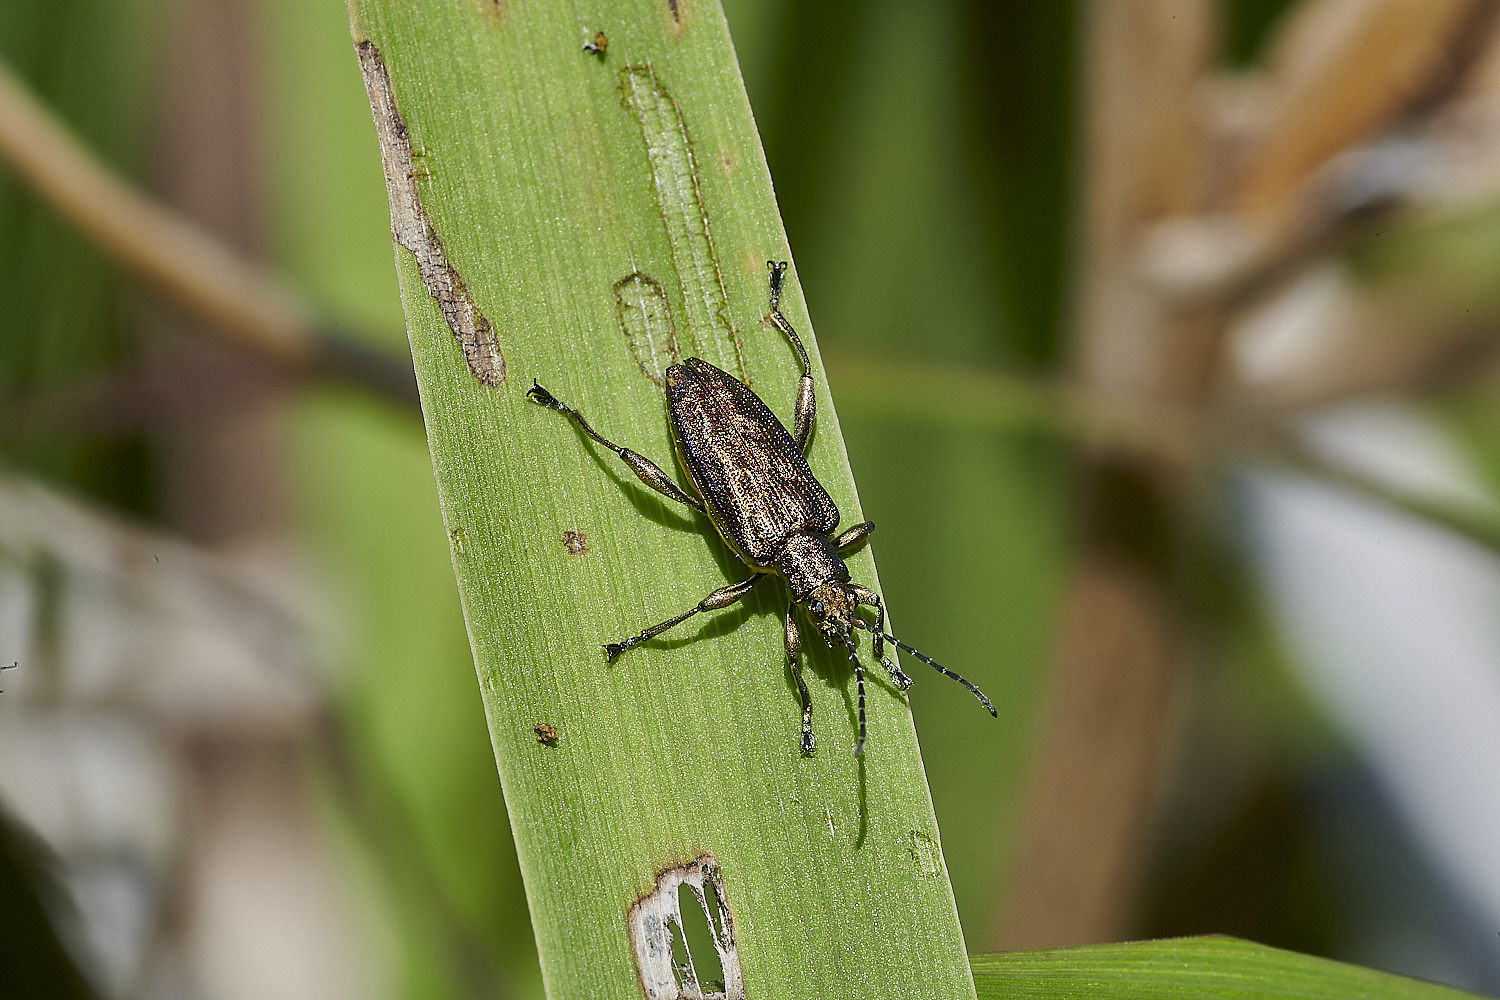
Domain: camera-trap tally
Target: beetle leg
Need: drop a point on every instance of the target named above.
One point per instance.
(856, 535)
(868, 597)
(793, 662)
(646, 470)
(807, 405)
(721, 598)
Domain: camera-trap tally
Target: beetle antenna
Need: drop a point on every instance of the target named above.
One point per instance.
(859, 681)
(934, 664)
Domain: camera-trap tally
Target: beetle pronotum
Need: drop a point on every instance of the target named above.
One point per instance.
(753, 482)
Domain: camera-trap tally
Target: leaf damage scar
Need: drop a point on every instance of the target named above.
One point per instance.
(670, 963)
(679, 200)
(679, 11)
(645, 318)
(413, 230)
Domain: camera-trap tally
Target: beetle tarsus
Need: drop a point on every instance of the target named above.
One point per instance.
(542, 397)
(778, 275)
(898, 676)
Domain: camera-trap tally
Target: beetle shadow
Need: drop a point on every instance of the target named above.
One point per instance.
(839, 671)
(864, 806)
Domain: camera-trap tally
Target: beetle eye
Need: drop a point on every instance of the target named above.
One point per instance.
(816, 607)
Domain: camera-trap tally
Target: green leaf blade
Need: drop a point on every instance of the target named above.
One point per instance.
(1203, 967)
(551, 176)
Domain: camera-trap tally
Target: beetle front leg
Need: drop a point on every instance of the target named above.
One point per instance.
(721, 598)
(857, 535)
(868, 597)
(807, 404)
(794, 664)
(645, 470)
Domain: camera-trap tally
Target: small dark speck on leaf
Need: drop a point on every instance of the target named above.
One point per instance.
(546, 733)
(576, 542)
(596, 45)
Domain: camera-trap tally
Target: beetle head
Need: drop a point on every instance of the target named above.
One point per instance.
(832, 610)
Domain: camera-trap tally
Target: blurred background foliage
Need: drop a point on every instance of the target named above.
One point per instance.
(929, 164)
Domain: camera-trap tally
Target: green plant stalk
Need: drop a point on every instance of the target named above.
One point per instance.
(1200, 967)
(580, 198)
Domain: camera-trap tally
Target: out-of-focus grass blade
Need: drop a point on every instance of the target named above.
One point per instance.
(417, 786)
(1198, 967)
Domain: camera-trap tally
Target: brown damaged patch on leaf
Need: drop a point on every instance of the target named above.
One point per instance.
(681, 12)
(497, 12)
(654, 923)
(576, 542)
(546, 733)
(644, 316)
(413, 230)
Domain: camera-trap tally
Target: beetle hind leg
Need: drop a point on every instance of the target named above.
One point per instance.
(645, 470)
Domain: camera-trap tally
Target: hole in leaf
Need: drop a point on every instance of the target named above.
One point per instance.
(700, 938)
(715, 911)
(682, 969)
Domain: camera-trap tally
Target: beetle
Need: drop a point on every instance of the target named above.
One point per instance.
(754, 484)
